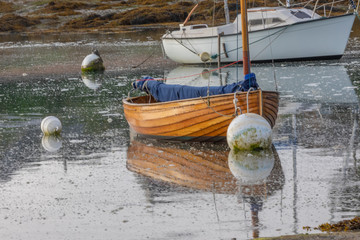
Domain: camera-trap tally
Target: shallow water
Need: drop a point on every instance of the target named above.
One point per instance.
(98, 181)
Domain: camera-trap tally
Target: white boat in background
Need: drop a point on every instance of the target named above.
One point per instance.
(275, 33)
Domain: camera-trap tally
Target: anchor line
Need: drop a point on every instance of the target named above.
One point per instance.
(222, 54)
(225, 66)
(193, 51)
(220, 114)
(235, 49)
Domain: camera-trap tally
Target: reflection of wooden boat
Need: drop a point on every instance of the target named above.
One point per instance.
(205, 167)
(202, 167)
(294, 33)
(198, 167)
(200, 118)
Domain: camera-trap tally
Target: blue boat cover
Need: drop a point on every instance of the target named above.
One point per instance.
(165, 92)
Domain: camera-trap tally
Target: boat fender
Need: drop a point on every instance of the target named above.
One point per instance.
(249, 131)
(205, 56)
(51, 126)
(92, 63)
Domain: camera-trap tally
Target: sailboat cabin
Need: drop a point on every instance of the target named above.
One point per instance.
(258, 19)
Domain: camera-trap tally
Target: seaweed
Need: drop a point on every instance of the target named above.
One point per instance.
(15, 23)
(66, 15)
(342, 226)
(6, 7)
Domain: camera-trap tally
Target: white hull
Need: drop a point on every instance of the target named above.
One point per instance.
(317, 38)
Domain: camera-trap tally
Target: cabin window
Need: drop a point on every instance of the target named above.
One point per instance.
(274, 20)
(300, 14)
(199, 26)
(255, 22)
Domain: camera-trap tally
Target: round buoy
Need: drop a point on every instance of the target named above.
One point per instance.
(249, 131)
(51, 143)
(205, 56)
(92, 63)
(51, 125)
(251, 167)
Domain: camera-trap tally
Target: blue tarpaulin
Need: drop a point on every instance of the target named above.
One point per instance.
(165, 92)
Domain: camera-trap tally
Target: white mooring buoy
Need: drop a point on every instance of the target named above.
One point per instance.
(249, 131)
(92, 63)
(51, 125)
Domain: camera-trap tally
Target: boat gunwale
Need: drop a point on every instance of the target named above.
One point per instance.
(127, 99)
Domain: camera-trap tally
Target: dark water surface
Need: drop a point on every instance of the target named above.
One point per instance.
(98, 181)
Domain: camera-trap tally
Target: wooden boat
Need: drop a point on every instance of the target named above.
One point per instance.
(202, 118)
(199, 119)
(295, 34)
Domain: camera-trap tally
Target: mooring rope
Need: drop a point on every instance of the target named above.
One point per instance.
(220, 114)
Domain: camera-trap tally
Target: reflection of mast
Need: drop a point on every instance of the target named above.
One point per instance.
(256, 206)
(259, 175)
(344, 191)
(294, 147)
(351, 144)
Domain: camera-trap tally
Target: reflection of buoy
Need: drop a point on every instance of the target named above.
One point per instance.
(251, 166)
(205, 56)
(51, 143)
(51, 125)
(205, 74)
(91, 80)
(249, 131)
(92, 63)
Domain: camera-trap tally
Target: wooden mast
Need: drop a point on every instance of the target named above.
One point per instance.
(245, 40)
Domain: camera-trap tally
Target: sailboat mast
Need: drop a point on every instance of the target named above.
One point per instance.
(226, 10)
(245, 40)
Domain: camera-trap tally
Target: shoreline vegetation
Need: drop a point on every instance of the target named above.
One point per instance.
(113, 16)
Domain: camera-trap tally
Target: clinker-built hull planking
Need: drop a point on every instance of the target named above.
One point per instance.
(197, 119)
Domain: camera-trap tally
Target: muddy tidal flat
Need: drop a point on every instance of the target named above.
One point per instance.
(98, 180)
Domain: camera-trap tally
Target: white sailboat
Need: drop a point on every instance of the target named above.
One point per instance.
(275, 33)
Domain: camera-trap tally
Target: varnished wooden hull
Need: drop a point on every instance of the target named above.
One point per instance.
(198, 166)
(194, 167)
(196, 119)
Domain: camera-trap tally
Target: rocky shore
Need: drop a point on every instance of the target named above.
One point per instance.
(32, 16)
